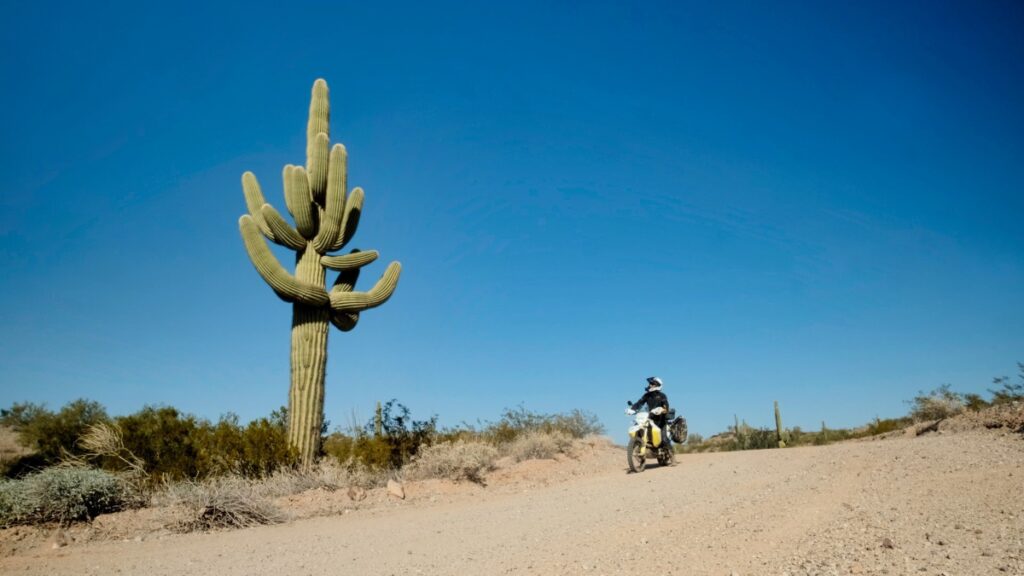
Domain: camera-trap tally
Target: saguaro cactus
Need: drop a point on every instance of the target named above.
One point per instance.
(780, 433)
(325, 217)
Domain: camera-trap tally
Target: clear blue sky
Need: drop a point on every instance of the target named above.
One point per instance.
(815, 203)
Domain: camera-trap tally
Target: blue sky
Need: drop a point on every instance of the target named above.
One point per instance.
(815, 203)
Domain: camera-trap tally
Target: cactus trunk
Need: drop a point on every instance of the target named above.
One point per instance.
(308, 364)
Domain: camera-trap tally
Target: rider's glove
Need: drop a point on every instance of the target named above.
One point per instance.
(630, 411)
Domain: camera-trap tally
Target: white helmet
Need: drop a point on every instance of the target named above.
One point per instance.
(653, 383)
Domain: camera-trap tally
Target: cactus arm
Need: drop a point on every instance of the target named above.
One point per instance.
(379, 294)
(346, 282)
(350, 221)
(337, 183)
(254, 202)
(344, 321)
(284, 234)
(317, 168)
(317, 135)
(286, 286)
(300, 203)
(348, 261)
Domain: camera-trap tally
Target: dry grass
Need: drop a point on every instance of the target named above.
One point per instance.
(459, 460)
(225, 502)
(105, 440)
(538, 446)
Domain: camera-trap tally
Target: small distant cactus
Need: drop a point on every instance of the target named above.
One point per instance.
(780, 433)
(325, 219)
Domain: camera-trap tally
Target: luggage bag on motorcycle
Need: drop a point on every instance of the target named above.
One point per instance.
(677, 430)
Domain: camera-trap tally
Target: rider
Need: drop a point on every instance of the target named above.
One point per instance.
(657, 404)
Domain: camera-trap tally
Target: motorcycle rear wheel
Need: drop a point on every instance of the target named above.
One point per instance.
(636, 454)
(667, 457)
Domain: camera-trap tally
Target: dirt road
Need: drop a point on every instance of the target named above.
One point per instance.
(937, 504)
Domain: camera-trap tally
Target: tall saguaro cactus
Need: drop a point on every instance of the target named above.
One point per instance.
(325, 218)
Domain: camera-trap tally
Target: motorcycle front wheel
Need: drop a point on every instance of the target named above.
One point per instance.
(636, 454)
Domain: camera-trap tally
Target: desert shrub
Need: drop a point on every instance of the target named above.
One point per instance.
(14, 456)
(167, 441)
(52, 436)
(538, 446)
(880, 426)
(1008, 392)
(178, 446)
(519, 421)
(224, 502)
(755, 439)
(453, 461)
(936, 405)
(403, 435)
(256, 450)
(382, 452)
(288, 481)
(400, 439)
(21, 414)
(974, 402)
(576, 423)
(104, 442)
(795, 436)
(61, 494)
(338, 446)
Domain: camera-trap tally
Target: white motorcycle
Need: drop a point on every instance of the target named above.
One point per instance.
(645, 438)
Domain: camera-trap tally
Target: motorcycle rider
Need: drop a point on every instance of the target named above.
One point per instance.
(657, 405)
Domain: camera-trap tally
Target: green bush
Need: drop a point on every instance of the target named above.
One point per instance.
(400, 439)
(168, 442)
(179, 446)
(755, 439)
(53, 435)
(61, 494)
(257, 450)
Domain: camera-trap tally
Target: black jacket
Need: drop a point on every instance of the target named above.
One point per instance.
(652, 399)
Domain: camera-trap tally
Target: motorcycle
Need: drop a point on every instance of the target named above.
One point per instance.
(645, 439)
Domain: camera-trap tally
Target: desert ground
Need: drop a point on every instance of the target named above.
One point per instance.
(946, 502)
